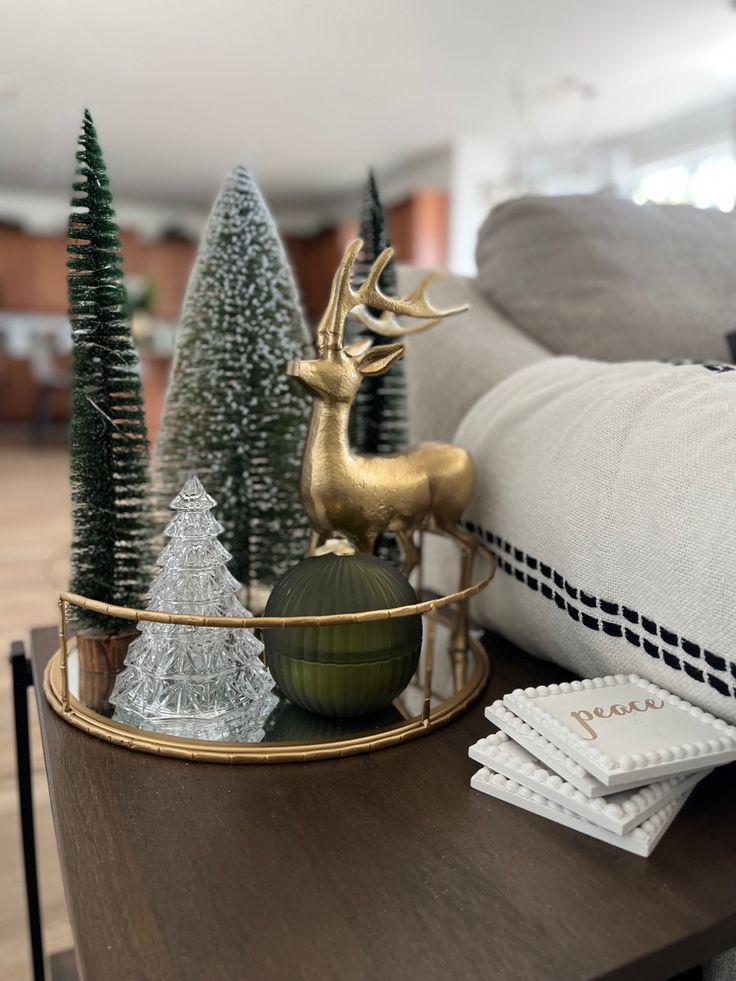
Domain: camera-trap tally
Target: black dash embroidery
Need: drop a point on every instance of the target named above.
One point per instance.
(714, 661)
(695, 673)
(720, 686)
(651, 648)
(608, 627)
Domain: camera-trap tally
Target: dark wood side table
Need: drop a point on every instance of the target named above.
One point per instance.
(384, 866)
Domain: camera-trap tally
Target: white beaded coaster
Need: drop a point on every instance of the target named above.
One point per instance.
(642, 840)
(552, 756)
(522, 733)
(620, 812)
(622, 728)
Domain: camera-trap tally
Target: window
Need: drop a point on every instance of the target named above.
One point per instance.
(706, 182)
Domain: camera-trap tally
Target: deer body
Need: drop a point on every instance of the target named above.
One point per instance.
(361, 496)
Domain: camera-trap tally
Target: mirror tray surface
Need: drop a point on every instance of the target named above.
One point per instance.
(290, 734)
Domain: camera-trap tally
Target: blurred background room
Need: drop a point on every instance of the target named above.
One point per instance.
(457, 106)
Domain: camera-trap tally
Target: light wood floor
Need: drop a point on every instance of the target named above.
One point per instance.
(34, 542)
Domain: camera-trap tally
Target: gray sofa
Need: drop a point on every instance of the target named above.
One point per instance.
(593, 276)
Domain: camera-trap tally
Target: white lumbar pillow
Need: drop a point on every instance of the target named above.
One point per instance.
(608, 494)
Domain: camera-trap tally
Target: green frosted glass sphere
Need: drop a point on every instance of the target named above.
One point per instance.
(348, 669)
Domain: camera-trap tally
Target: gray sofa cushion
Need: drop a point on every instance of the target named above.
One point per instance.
(452, 365)
(601, 277)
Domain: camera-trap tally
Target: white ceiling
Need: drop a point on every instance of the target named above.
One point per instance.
(308, 92)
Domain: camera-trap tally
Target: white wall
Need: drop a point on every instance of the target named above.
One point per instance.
(477, 182)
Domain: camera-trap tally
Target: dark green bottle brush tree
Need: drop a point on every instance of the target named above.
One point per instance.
(378, 420)
(111, 554)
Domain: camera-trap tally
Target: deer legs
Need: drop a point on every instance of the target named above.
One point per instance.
(459, 637)
(316, 539)
(412, 552)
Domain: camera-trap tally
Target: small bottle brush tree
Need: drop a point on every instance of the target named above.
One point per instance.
(231, 414)
(378, 421)
(111, 554)
(200, 682)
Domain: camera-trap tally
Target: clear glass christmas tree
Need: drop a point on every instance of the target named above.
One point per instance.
(199, 682)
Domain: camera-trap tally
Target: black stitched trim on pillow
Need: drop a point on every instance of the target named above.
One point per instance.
(611, 629)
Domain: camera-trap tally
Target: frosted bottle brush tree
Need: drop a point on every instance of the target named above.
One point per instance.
(231, 414)
(112, 525)
(197, 682)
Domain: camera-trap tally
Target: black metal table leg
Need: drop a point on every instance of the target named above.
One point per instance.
(22, 680)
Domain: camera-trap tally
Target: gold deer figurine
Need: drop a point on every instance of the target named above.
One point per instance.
(361, 496)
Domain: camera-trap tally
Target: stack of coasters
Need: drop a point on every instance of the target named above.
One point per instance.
(613, 757)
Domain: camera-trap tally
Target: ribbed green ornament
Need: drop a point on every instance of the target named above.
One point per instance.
(348, 669)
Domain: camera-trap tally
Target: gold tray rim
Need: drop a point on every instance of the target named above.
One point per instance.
(201, 751)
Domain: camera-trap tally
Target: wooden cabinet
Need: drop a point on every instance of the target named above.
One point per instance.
(19, 393)
(418, 228)
(33, 270)
(33, 279)
(48, 273)
(16, 279)
(167, 262)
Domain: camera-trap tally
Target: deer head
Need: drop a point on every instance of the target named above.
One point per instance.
(338, 371)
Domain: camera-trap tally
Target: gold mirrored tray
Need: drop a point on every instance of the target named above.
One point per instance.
(291, 734)
(446, 683)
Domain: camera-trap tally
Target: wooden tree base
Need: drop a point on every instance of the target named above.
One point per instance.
(101, 659)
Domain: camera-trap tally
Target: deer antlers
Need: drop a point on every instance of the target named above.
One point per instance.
(344, 299)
